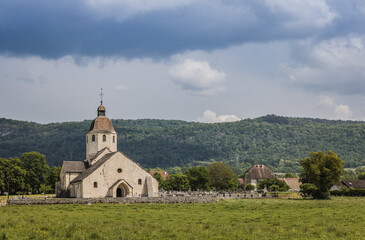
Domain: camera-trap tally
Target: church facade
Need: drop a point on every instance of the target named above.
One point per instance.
(105, 172)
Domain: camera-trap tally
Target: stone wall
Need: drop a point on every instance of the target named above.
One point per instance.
(189, 199)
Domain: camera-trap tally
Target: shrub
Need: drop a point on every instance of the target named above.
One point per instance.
(249, 187)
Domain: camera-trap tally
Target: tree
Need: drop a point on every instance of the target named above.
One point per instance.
(198, 178)
(53, 177)
(361, 176)
(267, 183)
(12, 175)
(37, 170)
(250, 187)
(178, 182)
(161, 182)
(290, 175)
(221, 176)
(323, 170)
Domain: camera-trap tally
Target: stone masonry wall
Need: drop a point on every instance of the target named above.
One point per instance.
(188, 199)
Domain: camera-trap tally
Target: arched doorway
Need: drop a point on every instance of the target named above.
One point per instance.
(119, 192)
(122, 190)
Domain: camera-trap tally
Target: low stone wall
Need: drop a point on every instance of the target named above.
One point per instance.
(128, 200)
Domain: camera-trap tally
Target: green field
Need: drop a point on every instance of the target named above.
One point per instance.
(339, 218)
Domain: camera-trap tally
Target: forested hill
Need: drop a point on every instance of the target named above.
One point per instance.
(278, 142)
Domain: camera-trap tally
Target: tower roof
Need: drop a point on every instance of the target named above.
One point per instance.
(101, 122)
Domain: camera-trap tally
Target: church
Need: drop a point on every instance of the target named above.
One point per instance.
(105, 172)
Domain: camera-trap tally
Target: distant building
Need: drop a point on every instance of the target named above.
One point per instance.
(256, 173)
(293, 183)
(359, 184)
(105, 172)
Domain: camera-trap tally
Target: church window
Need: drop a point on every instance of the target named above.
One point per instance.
(93, 138)
(119, 170)
(140, 181)
(104, 138)
(113, 139)
(87, 139)
(95, 184)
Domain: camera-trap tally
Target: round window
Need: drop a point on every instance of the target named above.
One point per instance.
(119, 170)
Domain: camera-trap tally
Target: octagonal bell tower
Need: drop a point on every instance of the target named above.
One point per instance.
(100, 135)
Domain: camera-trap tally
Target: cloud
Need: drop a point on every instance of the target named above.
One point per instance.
(158, 28)
(211, 117)
(341, 111)
(197, 77)
(336, 65)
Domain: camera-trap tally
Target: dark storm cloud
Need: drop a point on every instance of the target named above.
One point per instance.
(54, 29)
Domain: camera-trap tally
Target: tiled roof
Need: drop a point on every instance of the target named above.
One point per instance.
(73, 166)
(354, 183)
(102, 123)
(91, 169)
(293, 183)
(260, 172)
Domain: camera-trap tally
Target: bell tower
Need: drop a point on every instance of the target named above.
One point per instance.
(101, 134)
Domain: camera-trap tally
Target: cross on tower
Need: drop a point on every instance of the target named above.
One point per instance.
(101, 96)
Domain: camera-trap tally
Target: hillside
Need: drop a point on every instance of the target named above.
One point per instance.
(278, 142)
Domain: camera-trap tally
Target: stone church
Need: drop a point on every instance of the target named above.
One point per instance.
(105, 172)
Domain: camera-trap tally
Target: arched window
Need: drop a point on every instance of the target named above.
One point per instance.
(93, 138)
(87, 139)
(95, 184)
(113, 139)
(104, 138)
(140, 181)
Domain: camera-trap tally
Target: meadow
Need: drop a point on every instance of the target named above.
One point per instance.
(339, 218)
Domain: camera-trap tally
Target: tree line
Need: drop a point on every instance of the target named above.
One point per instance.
(28, 174)
(278, 142)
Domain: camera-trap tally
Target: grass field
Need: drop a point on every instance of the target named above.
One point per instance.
(339, 218)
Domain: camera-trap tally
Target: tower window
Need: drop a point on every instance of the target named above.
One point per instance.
(95, 184)
(104, 138)
(113, 139)
(140, 181)
(93, 138)
(119, 170)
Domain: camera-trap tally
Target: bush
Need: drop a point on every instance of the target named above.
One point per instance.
(249, 187)
(352, 192)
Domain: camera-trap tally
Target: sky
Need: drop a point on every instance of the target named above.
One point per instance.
(201, 60)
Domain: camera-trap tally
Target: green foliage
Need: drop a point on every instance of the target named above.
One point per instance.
(198, 178)
(53, 177)
(178, 182)
(12, 175)
(308, 189)
(323, 170)
(158, 177)
(277, 142)
(349, 175)
(351, 192)
(290, 175)
(278, 185)
(36, 170)
(249, 187)
(221, 176)
(361, 176)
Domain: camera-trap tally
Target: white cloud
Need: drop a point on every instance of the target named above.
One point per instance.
(307, 13)
(340, 111)
(336, 65)
(343, 112)
(211, 117)
(197, 77)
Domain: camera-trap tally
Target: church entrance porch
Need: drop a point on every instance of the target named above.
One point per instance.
(121, 188)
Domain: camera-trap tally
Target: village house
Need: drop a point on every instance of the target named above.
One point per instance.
(256, 173)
